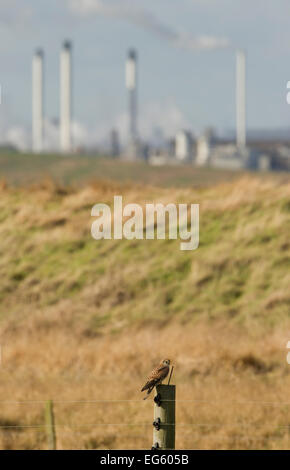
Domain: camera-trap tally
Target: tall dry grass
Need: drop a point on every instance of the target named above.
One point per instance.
(84, 322)
(238, 386)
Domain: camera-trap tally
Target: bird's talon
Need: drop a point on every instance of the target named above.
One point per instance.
(157, 399)
(157, 424)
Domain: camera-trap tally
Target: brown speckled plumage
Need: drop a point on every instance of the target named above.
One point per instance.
(158, 374)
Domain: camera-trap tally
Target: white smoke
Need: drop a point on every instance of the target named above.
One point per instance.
(18, 137)
(128, 11)
(79, 133)
(155, 116)
(51, 135)
(164, 115)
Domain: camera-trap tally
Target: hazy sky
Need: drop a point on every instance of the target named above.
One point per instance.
(186, 54)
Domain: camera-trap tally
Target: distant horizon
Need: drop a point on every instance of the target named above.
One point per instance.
(254, 135)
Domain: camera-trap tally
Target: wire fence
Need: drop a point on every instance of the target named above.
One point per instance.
(236, 402)
(16, 426)
(75, 429)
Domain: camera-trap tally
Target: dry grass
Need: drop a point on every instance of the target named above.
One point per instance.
(86, 320)
(230, 377)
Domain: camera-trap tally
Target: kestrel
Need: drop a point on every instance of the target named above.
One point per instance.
(157, 375)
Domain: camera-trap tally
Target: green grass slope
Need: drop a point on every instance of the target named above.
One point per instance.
(239, 272)
(18, 169)
(82, 319)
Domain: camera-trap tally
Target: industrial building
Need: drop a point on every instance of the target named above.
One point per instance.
(37, 102)
(209, 151)
(183, 148)
(65, 97)
(65, 100)
(134, 149)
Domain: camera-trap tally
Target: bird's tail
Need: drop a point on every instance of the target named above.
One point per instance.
(148, 393)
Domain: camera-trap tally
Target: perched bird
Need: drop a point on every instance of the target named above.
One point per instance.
(157, 375)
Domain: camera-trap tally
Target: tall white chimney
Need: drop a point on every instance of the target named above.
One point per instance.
(37, 101)
(241, 99)
(65, 97)
(131, 84)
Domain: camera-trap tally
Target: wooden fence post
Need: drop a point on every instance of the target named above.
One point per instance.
(50, 428)
(164, 417)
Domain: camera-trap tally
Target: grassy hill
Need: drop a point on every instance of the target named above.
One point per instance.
(82, 319)
(19, 169)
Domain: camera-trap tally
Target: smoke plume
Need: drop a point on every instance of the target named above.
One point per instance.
(129, 12)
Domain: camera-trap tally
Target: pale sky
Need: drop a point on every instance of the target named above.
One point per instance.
(183, 82)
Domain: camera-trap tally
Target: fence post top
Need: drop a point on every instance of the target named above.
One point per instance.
(165, 388)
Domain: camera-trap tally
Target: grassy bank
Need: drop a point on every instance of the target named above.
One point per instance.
(19, 169)
(83, 320)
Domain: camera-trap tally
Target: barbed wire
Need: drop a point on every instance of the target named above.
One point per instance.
(199, 437)
(92, 402)
(42, 428)
(16, 426)
(195, 436)
(234, 436)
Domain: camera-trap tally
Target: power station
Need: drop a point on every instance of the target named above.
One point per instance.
(241, 99)
(65, 100)
(65, 97)
(37, 102)
(134, 149)
(206, 150)
(131, 84)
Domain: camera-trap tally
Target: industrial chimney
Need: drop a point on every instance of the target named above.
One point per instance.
(37, 101)
(65, 97)
(131, 84)
(241, 99)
